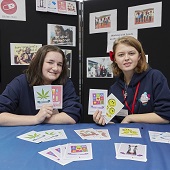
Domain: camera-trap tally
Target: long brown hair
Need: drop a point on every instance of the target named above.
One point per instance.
(130, 41)
(34, 71)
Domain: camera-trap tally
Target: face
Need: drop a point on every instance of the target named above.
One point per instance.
(25, 56)
(58, 31)
(28, 50)
(126, 57)
(52, 67)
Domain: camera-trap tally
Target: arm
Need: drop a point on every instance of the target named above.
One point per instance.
(144, 118)
(60, 118)
(72, 107)
(9, 119)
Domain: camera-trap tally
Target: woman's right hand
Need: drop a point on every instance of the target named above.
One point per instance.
(46, 111)
(98, 118)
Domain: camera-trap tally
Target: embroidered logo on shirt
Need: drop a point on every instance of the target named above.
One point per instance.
(144, 98)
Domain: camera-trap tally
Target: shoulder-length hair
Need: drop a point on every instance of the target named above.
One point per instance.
(130, 41)
(34, 70)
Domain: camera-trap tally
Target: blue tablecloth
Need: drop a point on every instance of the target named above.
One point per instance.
(17, 154)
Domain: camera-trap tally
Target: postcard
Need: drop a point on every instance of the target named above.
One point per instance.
(97, 101)
(48, 94)
(113, 107)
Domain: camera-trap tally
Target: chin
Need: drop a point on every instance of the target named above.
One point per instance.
(53, 78)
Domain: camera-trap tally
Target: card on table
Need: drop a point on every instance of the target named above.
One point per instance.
(79, 151)
(129, 132)
(51, 155)
(32, 136)
(104, 133)
(89, 133)
(66, 153)
(162, 137)
(53, 134)
(43, 136)
(93, 134)
(60, 150)
(131, 151)
(57, 150)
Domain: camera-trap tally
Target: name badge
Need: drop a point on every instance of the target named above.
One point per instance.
(122, 112)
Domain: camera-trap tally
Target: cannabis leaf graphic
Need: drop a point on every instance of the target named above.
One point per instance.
(43, 95)
(51, 133)
(35, 135)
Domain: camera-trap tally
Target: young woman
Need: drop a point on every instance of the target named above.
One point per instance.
(17, 106)
(143, 91)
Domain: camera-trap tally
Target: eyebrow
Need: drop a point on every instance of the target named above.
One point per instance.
(128, 51)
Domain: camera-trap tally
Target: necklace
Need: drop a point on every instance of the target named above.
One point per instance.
(125, 93)
(134, 98)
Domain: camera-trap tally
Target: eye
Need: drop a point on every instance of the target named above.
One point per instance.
(131, 53)
(121, 55)
(59, 64)
(50, 62)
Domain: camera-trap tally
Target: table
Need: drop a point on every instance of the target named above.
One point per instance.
(17, 154)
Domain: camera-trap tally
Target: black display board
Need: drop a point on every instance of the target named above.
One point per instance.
(155, 42)
(34, 30)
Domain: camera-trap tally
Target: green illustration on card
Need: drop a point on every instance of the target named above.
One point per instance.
(43, 94)
(35, 135)
(51, 133)
(129, 131)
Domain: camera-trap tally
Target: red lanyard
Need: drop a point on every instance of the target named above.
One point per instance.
(134, 99)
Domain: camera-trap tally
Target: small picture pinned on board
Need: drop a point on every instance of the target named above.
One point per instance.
(62, 35)
(104, 21)
(22, 53)
(99, 67)
(13, 10)
(145, 16)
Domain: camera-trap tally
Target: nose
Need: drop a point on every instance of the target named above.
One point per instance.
(55, 67)
(126, 57)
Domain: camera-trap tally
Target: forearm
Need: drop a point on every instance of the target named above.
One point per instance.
(60, 118)
(144, 118)
(9, 119)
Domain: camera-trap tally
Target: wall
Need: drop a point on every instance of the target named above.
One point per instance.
(33, 30)
(154, 40)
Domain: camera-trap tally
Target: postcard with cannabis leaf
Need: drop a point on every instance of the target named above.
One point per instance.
(42, 95)
(32, 136)
(48, 94)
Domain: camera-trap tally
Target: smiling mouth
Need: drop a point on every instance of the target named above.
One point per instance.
(52, 73)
